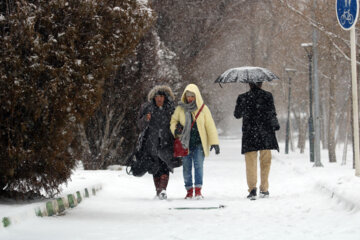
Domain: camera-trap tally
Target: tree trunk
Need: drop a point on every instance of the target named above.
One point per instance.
(352, 131)
(302, 125)
(291, 137)
(86, 152)
(348, 123)
(303, 135)
(324, 124)
(332, 121)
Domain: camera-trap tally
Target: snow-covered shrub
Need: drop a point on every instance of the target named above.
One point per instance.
(55, 58)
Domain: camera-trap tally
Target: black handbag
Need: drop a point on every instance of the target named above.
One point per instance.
(136, 164)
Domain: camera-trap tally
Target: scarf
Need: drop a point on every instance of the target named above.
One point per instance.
(188, 108)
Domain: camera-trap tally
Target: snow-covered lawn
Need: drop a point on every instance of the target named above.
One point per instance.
(305, 203)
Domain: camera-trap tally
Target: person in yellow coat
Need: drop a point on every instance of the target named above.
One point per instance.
(199, 138)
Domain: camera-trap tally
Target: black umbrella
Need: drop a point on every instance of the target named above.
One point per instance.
(246, 75)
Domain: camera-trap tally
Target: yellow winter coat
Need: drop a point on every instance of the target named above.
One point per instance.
(205, 122)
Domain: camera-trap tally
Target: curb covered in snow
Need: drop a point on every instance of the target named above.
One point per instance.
(334, 193)
(52, 207)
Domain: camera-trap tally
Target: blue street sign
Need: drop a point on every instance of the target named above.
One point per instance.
(347, 13)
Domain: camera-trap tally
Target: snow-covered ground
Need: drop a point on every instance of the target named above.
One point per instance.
(305, 203)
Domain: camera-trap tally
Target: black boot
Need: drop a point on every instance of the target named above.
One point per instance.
(252, 194)
(157, 185)
(164, 179)
(264, 194)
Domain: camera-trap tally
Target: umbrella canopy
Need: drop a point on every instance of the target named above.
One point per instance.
(246, 75)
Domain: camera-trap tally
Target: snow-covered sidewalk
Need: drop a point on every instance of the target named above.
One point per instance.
(305, 203)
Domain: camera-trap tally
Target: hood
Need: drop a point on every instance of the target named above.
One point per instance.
(164, 88)
(193, 88)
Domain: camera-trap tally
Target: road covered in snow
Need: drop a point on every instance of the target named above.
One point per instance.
(302, 205)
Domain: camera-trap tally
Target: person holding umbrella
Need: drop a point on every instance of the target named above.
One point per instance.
(257, 109)
(192, 121)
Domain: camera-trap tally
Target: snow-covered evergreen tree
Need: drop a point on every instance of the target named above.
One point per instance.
(56, 56)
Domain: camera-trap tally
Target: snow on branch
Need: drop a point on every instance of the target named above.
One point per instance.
(330, 35)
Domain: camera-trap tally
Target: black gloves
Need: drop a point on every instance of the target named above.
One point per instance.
(275, 123)
(178, 129)
(216, 147)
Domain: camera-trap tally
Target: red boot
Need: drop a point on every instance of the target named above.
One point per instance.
(198, 193)
(190, 193)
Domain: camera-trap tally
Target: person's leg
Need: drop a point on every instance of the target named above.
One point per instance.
(187, 171)
(251, 169)
(199, 170)
(163, 175)
(164, 179)
(265, 162)
(199, 166)
(156, 179)
(187, 174)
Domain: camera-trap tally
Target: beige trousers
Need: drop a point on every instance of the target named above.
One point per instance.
(251, 169)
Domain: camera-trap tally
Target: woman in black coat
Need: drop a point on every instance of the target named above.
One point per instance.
(257, 109)
(154, 118)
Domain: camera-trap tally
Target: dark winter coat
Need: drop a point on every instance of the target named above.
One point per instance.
(257, 109)
(158, 140)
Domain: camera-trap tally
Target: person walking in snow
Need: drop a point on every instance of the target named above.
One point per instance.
(257, 109)
(154, 116)
(198, 139)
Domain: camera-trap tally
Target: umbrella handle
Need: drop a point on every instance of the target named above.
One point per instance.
(220, 85)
